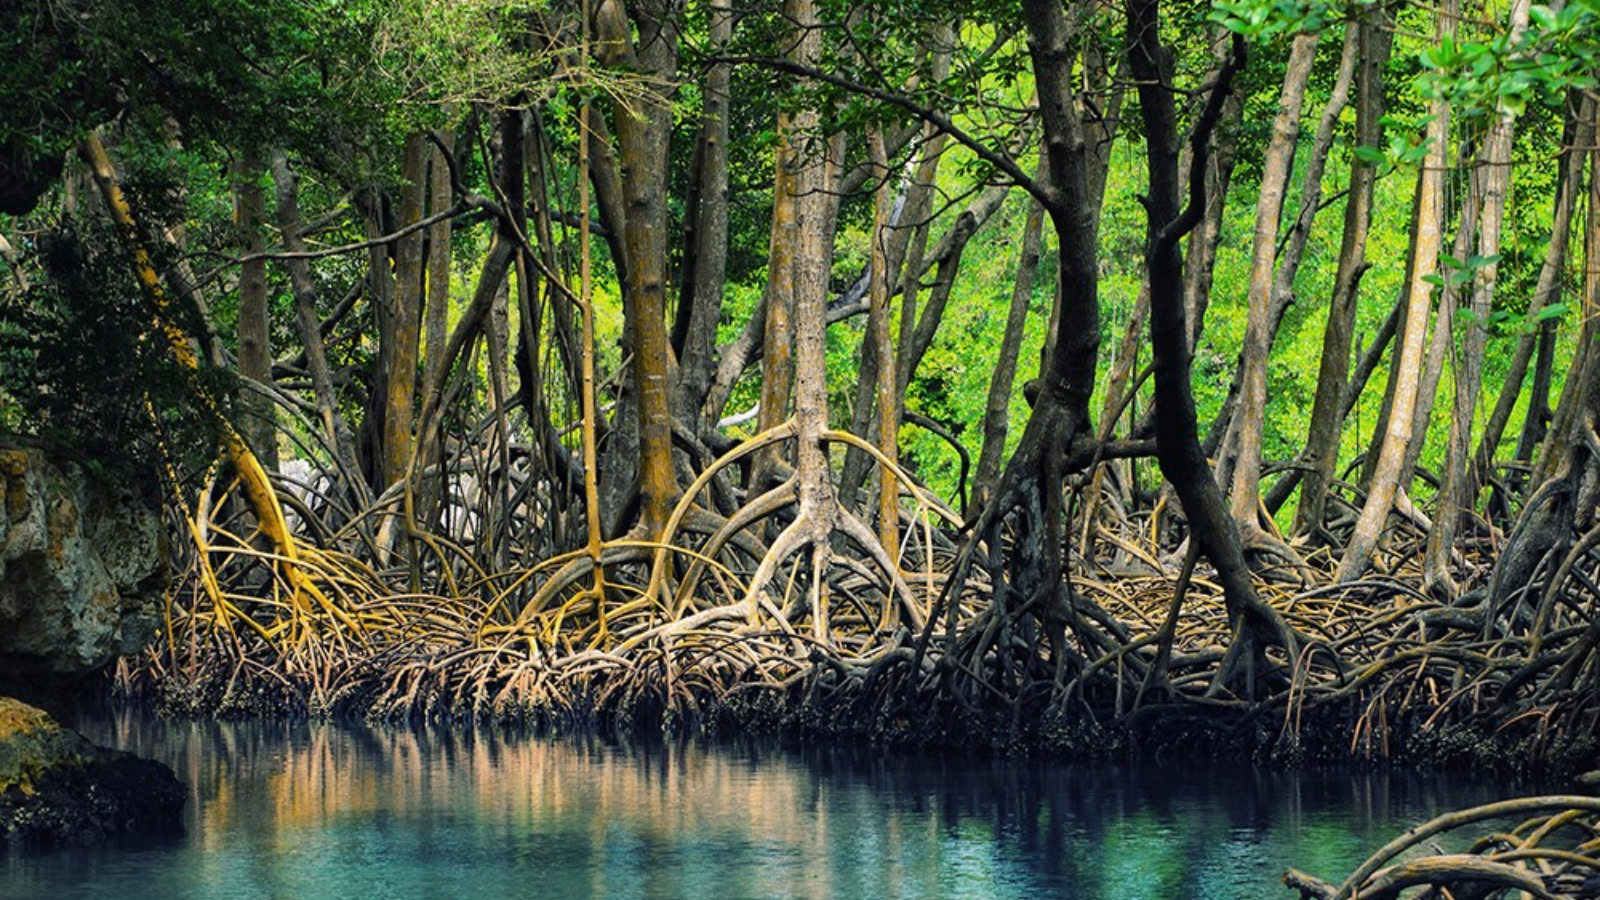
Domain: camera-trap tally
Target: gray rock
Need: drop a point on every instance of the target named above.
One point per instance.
(81, 570)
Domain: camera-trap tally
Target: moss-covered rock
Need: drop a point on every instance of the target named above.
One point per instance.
(81, 572)
(56, 788)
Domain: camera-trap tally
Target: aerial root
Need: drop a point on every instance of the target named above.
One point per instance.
(1551, 855)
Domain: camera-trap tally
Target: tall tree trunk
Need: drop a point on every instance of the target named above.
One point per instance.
(435, 317)
(878, 345)
(1250, 417)
(1578, 133)
(706, 222)
(405, 319)
(1254, 624)
(1440, 340)
(644, 127)
(257, 425)
(1413, 337)
(1200, 256)
(777, 344)
(1327, 410)
(998, 405)
(436, 307)
(1495, 172)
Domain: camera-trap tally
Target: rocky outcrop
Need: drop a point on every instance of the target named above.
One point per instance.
(58, 789)
(81, 570)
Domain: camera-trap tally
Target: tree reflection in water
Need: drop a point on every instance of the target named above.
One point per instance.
(294, 809)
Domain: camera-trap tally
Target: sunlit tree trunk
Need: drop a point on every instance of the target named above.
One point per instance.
(777, 344)
(1250, 417)
(1494, 168)
(1579, 133)
(878, 345)
(1408, 361)
(1327, 411)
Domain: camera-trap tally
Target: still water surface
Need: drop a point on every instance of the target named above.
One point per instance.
(309, 811)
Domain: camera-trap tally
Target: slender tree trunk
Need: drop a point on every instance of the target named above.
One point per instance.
(258, 425)
(877, 343)
(998, 405)
(435, 318)
(695, 330)
(1250, 416)
(1413, 337)
(1328, 410)
(1440, 340)
(777, 344)
(1578, 133)
(436, 310)
(927, 324)
(1200, 256)
(1454, 500)
(1566, 426)
(910, 245)
(1254, 624)
(405, 319)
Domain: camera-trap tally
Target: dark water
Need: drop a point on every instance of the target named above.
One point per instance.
(303, 811)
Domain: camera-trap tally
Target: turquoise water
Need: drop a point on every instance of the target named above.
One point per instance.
(310, 811)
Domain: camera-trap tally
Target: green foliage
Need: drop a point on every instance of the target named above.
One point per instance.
(1502, 72)
(84, 365)
(1265, 19)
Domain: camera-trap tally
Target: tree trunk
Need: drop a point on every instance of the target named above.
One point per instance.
(1579, 132)
(644, 127)
(878, 345)
(777, 344)
(1413, 337)
(1250, 416)
(258, 425)
(1254, 624)
(1454, 498)
(405, 319)
(436, 308)
(1328, 410)
(706, 238)
(997, 406)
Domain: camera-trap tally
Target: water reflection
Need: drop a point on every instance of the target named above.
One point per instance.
(294, 810)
